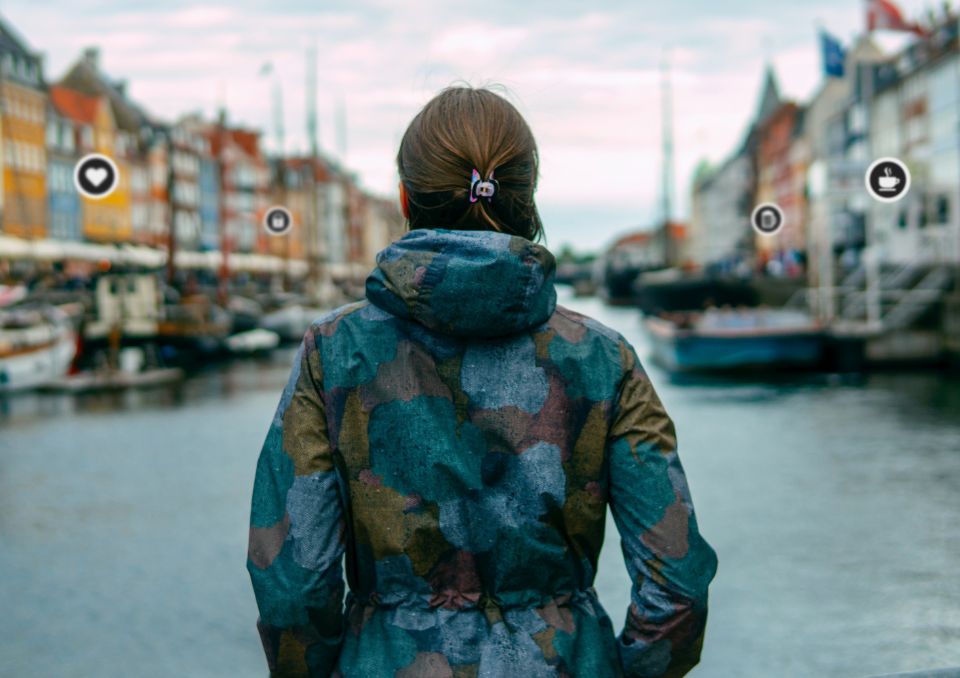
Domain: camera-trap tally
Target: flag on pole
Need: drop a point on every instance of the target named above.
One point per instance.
(833, 55)
(885, 15)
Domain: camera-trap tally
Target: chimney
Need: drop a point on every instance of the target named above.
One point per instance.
(91, 55)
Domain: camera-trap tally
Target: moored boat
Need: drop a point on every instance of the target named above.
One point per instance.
(116, 380)
(37, 346)
(730, 340)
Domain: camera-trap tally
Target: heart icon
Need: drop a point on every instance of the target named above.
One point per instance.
(96, 175)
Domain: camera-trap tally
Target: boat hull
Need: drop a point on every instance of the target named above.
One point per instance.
(685, 351)
(39, 367)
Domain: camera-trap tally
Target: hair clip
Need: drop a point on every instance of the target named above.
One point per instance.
(482, 189)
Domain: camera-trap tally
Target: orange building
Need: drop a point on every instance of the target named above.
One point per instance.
(23, 103)
(301, 195)
(107, 219)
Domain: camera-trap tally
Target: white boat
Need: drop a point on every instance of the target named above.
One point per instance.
(37, 346)
(253, 341)
(291, 322)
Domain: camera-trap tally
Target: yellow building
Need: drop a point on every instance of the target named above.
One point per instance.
(106, 219)
(23, 112)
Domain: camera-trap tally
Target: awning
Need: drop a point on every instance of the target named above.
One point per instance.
(140, 255)
(13, 248)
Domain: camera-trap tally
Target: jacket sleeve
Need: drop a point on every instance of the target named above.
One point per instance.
(297, 530)
(669, 563)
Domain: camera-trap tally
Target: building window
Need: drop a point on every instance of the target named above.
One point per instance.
(53, 136)
(941, 206)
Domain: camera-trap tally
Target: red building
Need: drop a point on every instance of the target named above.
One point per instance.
(245, 185)
(782, 160)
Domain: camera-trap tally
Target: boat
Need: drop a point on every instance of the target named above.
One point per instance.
(245, 314)
(672, 290)
(116, 380)
(37, 346)
(126, 304)
(252, 342)
(195, 326)
(736, 339)
(291, 320)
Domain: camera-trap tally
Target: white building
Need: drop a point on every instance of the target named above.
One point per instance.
(719, 220)
(915, 116)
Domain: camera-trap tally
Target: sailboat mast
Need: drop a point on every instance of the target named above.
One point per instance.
(666, 122)
(312, 227)
(312, 127)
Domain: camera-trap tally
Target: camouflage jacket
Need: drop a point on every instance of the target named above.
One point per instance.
(458, 436)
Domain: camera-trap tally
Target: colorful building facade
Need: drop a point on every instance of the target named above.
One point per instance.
(782, 163)
(63, 201)
(107, 219)
(23, 112)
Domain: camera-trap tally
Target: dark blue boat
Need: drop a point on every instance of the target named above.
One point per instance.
(729, 340)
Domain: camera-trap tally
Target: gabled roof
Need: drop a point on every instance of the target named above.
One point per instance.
(769, 96)
(248, 140)
(320, 169)
(635, 238)
(84, 76)
(74, 105)
(11, 41)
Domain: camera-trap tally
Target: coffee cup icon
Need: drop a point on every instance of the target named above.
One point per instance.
(887, 179)
(888, 182)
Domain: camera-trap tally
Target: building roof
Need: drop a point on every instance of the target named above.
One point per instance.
(321, 169)
(676, 230)
(85, 76)
(74, 105)
(248, 140)
(634, 239)
(12, 41)
(769, 96)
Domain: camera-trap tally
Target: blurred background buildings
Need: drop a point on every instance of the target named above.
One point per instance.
(192, 187)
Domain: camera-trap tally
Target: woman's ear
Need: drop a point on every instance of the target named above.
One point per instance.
(404, 205)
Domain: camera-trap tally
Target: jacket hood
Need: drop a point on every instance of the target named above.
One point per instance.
(465, 283)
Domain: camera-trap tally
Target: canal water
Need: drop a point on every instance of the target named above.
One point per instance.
(834, 506)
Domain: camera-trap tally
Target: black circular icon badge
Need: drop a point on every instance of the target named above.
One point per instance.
(277, 220)
(95, 176)
(767, 218)
(887, 180)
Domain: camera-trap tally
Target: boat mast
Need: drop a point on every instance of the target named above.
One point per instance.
(223, 287)
(312, 225)
(666, 123)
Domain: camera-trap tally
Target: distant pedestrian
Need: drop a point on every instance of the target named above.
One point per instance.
(459, 436)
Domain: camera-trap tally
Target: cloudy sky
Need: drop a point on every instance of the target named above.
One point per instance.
(587, 79)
